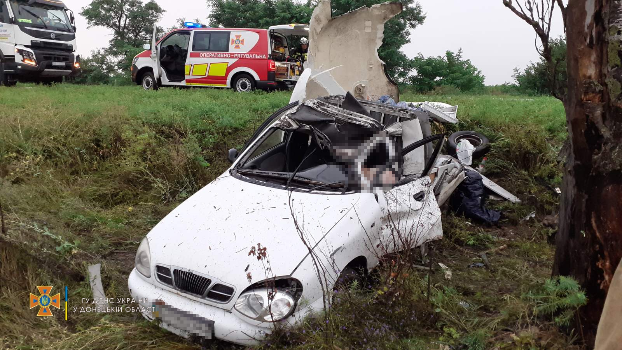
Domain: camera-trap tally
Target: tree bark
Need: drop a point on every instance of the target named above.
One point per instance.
(589, 241)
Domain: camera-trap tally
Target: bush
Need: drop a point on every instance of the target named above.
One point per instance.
(559, 299)
(449, 70)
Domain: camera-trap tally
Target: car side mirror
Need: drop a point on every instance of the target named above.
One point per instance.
(233, 155)
(147, 46)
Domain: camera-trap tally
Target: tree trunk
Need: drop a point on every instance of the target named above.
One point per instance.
(589, 241)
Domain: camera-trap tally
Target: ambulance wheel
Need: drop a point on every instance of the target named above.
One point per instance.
(244, 83)
(149, 81)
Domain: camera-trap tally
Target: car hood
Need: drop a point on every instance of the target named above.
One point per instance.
(213, 232)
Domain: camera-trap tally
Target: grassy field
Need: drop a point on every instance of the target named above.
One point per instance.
(86, 171)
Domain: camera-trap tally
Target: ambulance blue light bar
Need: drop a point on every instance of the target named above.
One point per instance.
(192, 25)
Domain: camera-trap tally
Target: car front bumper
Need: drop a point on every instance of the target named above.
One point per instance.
(227, 326)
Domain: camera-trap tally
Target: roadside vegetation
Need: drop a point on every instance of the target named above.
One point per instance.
(87, 171)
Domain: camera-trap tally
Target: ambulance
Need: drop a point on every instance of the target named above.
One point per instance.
(243, 59)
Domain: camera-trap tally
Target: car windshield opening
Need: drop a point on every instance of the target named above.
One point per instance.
(41, 16)
(294, 158)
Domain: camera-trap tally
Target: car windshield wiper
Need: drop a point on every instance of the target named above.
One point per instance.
(340, 185)
(288, 176)
(36, 15)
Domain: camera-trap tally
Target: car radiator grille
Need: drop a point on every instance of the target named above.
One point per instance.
(220, 292)
(55, 58)
(189, 282)
(192, 283)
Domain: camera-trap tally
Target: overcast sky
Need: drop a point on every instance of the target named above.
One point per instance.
(490, 36)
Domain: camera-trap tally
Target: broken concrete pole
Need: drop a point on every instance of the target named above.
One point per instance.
(99, 297)
(343, 54)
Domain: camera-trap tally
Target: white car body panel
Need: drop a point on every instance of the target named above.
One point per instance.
(213, 231)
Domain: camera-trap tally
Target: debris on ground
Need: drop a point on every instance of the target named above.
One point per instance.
(464, 151)
(551, 221)
(470, 200)
(99, 297)
(477, 265)
(531, 215)
(446, 270)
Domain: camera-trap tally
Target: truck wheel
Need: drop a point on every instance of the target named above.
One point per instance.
(51, 81)
(149, 82)
(4, 79)
(479, 141)
(244, 83)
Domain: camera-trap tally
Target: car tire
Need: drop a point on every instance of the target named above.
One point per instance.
(149, 82)
(244, 83)
(347, 277)
(479, 141)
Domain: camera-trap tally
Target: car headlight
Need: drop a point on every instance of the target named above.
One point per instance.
(143, 258)
(28, 57)
(270, 304)
(134, 61)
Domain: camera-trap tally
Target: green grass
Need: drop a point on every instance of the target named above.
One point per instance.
(87, 171)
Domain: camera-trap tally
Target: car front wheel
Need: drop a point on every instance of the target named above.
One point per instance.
(149, 82)
(244, 83)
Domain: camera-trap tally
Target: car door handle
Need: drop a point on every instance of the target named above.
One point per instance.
(419, 197)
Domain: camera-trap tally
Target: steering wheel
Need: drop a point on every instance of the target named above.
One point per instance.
(178, 50)
(429, 164)
(169, 50)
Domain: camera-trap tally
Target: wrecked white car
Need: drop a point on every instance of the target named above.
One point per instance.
(324, 189)
(322, 185)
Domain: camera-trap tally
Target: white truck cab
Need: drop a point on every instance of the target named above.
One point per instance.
(37, 41)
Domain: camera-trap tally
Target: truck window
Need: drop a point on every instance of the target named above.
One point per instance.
(39, 15)
(211, 41)
(4, 13)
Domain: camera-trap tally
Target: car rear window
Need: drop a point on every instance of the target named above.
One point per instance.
(211, 41)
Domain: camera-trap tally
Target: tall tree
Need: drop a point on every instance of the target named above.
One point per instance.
(264, 13)
(542, 77)
(131, 23)
(257, 13)
(539, 15)
(589, 241)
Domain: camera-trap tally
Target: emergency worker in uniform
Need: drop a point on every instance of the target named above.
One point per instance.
(301, 52)
(278, 49)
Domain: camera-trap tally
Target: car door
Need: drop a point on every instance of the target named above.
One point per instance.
(410, 216)
(7, 36)
(155, 56)
(173, 55)
(209, 58)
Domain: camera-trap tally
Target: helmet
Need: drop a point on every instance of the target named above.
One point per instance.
(304, 41)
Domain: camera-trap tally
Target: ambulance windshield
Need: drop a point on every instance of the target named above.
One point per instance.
(41, 16)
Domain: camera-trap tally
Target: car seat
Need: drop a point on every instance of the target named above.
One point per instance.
(295, 150)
